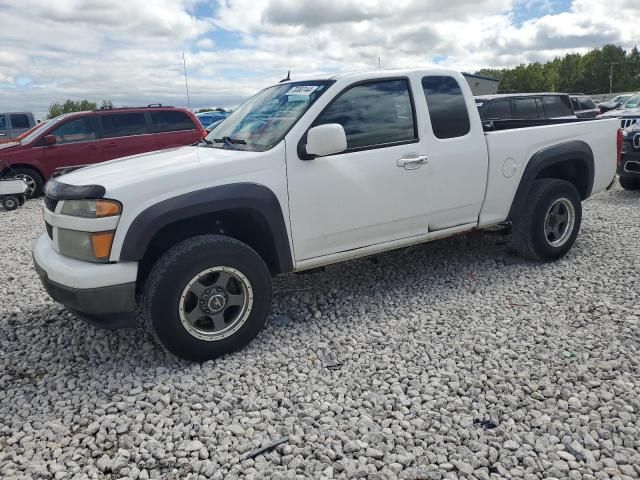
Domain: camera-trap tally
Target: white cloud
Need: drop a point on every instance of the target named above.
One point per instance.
(131, 52)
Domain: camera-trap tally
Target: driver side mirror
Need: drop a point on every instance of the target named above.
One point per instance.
(50, 140)
(326, 140)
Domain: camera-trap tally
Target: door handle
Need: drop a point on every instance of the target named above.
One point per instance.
(92, 147)
(412, 162)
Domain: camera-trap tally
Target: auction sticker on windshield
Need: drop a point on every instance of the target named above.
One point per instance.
(305, 90)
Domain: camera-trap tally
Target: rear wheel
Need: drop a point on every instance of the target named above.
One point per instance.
(547, 228)
(207, 296)
(33, 179)
(630, 183)
(10, 203)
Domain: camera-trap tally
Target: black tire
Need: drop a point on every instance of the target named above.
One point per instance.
(22, 199)
(10, 203)
(33, 178)
(529, 237)
(630, 183)
(171, 276)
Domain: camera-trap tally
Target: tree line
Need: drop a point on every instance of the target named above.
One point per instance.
(573, 73)
(68, 106)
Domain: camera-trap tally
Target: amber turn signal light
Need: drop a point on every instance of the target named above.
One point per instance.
(101, 244)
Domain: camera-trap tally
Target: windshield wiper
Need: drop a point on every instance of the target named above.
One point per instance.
(230, 141)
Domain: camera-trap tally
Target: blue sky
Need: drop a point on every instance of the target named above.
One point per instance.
(131, 52)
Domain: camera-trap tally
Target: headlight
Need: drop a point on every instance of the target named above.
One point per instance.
(89, 246)
(91, 208)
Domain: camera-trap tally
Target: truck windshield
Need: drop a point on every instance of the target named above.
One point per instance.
(262, 121)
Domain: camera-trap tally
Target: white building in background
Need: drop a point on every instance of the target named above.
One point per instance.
(482, 85)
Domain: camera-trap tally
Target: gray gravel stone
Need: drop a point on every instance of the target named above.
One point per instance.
(450, 360)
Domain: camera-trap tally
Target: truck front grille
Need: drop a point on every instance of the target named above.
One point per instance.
(50, 203)
(627, 122)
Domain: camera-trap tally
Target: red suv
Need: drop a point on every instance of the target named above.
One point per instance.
(77, 139)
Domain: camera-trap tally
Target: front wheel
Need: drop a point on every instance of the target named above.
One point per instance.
(207, 296)
(547, 228)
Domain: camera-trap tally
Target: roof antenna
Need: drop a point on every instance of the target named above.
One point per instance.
(286, 79)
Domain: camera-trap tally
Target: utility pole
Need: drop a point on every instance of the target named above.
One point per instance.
(186, 82)
(611, 75)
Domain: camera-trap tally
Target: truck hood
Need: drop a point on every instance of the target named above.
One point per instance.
(158, 170)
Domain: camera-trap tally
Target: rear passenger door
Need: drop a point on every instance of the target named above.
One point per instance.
(457, 152)
(126, 133)
(173, 128)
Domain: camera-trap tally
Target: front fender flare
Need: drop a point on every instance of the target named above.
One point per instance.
(207, 201)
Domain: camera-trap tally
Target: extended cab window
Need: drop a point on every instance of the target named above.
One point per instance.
(171, 121)
(123, 125)
(525, 108)
(557, 106)
(19, 120)
(74, 131)
(3, 122)
(373, 113)
(447, 107)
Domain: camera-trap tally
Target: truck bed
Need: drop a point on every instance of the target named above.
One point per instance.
(510, 148)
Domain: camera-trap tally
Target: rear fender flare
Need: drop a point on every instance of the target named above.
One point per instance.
(574, 151)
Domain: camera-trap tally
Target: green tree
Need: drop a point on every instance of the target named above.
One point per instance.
(56, 109)
(587, 73)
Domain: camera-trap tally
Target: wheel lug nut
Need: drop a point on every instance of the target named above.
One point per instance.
(207, 291)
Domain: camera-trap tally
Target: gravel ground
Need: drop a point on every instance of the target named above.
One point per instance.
(449, 360)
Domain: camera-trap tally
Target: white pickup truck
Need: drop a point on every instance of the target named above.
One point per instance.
(304, 174)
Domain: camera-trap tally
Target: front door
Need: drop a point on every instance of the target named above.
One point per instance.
(77, 144)
(374, 192)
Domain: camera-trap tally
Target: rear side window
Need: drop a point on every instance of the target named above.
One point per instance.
(447, 107)
(19, 120)
(497, 110)
(171, 121)
(3, 122)
(74, 131)
(557, 106)
(123, 125)
(372, 114)
(525, 108)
